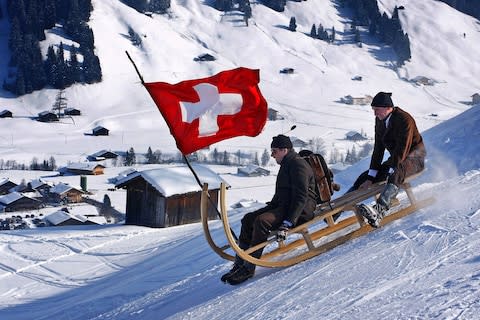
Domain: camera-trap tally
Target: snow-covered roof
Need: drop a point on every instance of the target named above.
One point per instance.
(174, 180)
(84, 166)
(102, 152)
(11, 197)
(60, 216)
(37, 183)
(61, 188)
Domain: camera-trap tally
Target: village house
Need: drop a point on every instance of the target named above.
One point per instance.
(47, 116)
(100, 131)
(83, 168)
(6, 114)
(65, 218)
(72, 112)
(252, 170)
(15, 201)
(168, 196)
(354, 136)
(6, 185)
(357, 100)
(65, 193)
(102, 155)
(274, 115)
(475, 98)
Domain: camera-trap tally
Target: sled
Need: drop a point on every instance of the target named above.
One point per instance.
(316, 236)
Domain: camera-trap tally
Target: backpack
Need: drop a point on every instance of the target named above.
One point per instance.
(324, 185)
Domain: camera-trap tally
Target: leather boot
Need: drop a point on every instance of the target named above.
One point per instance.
(245, 272)
(236, 264)
(374, 214)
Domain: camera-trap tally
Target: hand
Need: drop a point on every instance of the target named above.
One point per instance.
(365, 185)
(282, 231)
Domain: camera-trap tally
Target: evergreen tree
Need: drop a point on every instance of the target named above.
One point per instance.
(150, 156)
(292, 25)
(74, 67)
(265, 157)
(313, 32)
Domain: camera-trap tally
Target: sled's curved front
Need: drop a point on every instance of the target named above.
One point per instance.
(304, 247)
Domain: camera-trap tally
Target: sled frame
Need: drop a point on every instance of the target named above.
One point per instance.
(284, 253)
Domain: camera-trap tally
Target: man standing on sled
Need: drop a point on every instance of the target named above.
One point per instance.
(396, 132)
(293, 202)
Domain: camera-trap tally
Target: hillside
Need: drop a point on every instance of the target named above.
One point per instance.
(308, 98)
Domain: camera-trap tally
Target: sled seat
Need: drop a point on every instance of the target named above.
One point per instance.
(315, 236)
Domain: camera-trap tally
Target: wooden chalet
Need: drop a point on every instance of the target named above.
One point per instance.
(6, 114)
(65, 218)
(84, 168)
(72, 112)
(6, 185)
(100, 131)
(252, 171)
(475, 98)
(102, 155)
(354, 136)
(65, 193)
(15, 201)
(168, 196)
(274, 115)
(47, 116)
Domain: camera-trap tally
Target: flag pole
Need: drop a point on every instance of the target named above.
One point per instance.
(184, 157)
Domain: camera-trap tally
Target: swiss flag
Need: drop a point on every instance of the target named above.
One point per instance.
(201, 112)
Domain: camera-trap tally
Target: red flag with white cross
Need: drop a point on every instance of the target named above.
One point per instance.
(201, 112)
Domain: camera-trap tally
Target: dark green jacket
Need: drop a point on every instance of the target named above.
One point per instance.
(294, 189)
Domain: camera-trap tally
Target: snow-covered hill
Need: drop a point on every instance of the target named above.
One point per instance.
(308, 98)
(425, 266)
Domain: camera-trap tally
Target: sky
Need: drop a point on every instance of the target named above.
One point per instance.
(423, 266)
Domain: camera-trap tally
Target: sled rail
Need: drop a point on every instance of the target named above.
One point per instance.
(300, 244)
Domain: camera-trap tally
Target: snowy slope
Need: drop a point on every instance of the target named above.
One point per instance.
(424, 266)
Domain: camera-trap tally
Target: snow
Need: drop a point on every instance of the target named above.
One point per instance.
(423, 266)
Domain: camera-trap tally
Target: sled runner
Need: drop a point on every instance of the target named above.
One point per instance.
(316, 236)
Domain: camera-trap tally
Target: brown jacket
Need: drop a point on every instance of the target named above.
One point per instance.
(401, 139)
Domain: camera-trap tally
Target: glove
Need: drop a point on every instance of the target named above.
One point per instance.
(283, 230)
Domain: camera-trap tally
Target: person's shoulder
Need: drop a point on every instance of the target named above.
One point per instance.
(402, 114)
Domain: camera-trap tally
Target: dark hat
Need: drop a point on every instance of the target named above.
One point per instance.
(281, 142)
(382, 99)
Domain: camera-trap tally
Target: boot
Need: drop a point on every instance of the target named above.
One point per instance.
(237, 264)
(245, 272)
(374, 214)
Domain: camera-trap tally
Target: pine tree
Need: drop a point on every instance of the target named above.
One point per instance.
(60, 103)
(292, 25)
(313, 32)
(265, 157)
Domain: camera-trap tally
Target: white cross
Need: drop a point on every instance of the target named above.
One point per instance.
(211, 105)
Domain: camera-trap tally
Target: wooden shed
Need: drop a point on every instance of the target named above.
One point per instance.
(475, 98)
(47, 116)
(84, 168)
(100, 131)
(6, 185)
(63, 192)
(16, 202)
(6, 114)
(72, 112)
(168, 196)
(354, 136)
(252, 171)
(102, 155)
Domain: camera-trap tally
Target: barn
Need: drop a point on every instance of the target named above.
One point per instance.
(17, 202)
(6, 114)
(100, 131)
(63, 192)
(47, 116)
(168, 196)
(6, 185)
(90, 168)
(72, 112)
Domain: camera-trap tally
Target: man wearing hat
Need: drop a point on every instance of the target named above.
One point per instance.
(293, 201)
(396, 132)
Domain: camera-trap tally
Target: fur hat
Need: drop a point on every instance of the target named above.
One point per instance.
(281, 142)
(382, 99)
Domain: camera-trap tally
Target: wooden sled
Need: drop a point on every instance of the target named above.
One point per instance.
(315, 236)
